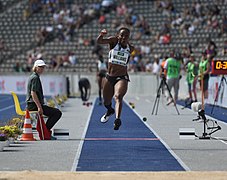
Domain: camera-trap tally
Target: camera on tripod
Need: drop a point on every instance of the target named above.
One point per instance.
(163, 77)
(162, 86)
(197, 107)
(201, 113)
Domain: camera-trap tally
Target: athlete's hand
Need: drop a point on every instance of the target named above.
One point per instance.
(103, 32)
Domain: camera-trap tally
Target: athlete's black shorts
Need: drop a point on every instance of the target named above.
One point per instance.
(102, 73)
(114, 79)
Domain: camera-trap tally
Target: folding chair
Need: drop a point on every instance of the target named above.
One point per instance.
(20, 112)
(18, 109)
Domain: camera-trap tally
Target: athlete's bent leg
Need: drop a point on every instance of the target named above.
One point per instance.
(108, 92)
(120, 90)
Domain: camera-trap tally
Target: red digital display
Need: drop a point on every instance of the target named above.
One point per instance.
(219, 67)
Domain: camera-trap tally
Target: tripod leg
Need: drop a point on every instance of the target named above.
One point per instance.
(154, 105)
(157, 106)
(157, 98)
(171, 97)
(205, 135)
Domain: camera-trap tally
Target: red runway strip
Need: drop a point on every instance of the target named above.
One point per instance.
(121, 139)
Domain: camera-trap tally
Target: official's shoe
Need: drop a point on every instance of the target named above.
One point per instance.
(106, 116)
(117, 124)
(53, 138)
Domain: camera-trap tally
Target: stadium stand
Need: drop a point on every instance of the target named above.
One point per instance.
(33, 27)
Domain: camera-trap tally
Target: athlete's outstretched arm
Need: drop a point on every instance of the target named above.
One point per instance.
(108, 40)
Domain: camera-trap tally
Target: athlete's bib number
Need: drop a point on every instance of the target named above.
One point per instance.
(119, 57)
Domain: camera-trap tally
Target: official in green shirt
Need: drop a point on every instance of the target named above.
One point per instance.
(172, 71)
(35, 97)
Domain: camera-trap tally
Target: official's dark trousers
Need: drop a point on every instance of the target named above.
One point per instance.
(53, 115)
(84, 85)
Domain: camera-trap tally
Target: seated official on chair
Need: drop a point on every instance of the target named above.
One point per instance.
(35, 97)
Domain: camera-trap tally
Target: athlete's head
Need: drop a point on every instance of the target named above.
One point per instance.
(123, 36)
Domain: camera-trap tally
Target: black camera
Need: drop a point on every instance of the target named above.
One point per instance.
(163, 76)
(201, 113)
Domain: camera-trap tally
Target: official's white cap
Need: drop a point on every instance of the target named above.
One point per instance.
(39, 62)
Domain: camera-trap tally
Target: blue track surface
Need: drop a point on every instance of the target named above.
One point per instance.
(133, 148)
(7, 108)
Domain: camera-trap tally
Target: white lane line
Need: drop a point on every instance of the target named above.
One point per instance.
(5, 99)
(223, 141)
(167, 147)
(9, 107)
(220, 139)
(76, 159)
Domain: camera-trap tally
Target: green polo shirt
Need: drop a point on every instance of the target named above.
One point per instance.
(34, 84)
(203, 67)
(173, 68)
(190, 72)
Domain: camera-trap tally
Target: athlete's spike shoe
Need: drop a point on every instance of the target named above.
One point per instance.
(107, 115)
(117, 124)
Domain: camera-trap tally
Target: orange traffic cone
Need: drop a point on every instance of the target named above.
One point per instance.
(27, 129)
(44, 133)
